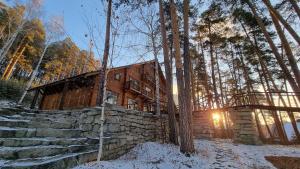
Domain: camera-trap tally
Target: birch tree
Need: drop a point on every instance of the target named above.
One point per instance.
(54, 30)
(102, 76)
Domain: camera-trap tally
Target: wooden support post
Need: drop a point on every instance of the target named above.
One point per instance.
(62, 99)
(124, 91)
(36, 95)
(43, 98)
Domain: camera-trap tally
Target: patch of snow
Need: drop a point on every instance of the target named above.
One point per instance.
(2, 118)
(209, 154)
(6, 103)
(290, 130)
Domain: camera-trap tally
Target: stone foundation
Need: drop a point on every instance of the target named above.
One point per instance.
(202, 125)
(123, 129)
(244, 126)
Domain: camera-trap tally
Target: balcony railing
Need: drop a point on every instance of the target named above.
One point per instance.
(147, 94)
(133, 86)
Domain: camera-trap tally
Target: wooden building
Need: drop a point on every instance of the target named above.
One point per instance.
(131, 86)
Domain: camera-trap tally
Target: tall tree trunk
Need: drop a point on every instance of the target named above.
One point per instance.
(206, 79)
(222, 120)
(102, 77)
(9, 68)
(220, 79)
(282, 20)
(296, 7)
(287, 48)
(170, 104)
(194, 94)
(186, 133)
(280, 61)
(187, 77)
(212, 60)
(103, 68)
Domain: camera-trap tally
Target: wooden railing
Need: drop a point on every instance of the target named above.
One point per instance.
(147, 94)
(133, 86)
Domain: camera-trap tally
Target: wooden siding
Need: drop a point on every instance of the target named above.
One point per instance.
(80, 93)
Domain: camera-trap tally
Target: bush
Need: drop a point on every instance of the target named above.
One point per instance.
(12, 90)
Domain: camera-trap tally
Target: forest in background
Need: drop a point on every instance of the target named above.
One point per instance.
(62, 59)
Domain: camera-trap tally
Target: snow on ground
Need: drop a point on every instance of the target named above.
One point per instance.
(290, 130)
(6, 104)
(209, 154)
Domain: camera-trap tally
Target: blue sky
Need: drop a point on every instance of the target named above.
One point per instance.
(77, 13)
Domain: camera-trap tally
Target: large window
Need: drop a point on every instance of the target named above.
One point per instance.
(132, 104)
(111, 97)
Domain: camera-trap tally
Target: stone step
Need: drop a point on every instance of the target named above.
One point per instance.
(54, 162)
(10, 111)
(9, 132)
(13, 153)
(29, 114)
(23, 142)
(6, 122)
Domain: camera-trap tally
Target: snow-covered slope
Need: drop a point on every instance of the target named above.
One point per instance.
(209, 154)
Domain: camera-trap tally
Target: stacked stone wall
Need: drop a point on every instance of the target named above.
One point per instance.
(202, 125)
(123, 129)
(244, 126)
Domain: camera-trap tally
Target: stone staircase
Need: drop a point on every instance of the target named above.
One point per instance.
(33, 139)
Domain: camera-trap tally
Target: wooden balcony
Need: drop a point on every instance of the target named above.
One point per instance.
(147, 95)
(133, 87)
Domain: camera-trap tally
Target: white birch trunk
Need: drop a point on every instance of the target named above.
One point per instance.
(33, 75)
(102, 118)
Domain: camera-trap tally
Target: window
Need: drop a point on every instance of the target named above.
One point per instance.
(132, 104)
(117, 76)
(111, 97)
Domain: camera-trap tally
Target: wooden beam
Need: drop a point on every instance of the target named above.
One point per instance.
(63, 95)
(124, 90)
(43, 98)
(261, 107)
(36, 95)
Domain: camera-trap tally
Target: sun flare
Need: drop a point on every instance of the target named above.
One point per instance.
(216, 116)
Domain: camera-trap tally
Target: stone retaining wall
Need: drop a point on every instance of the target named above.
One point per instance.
(244, 126)
(123, 129)
(202, 125)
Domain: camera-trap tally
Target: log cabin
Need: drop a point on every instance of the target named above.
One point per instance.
(131, 86)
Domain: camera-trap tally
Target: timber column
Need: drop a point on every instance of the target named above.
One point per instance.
(244, 126)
